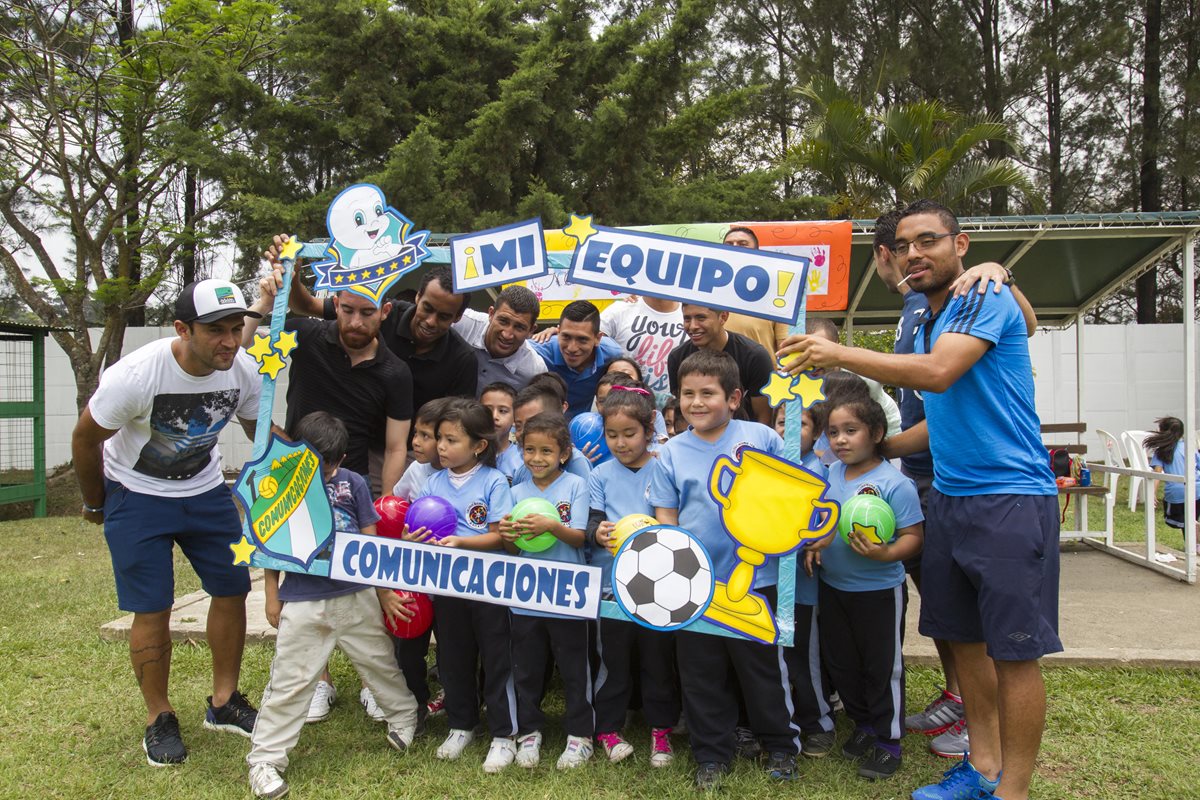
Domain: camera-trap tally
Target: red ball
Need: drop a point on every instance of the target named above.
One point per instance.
(422, 619)
(392, 511)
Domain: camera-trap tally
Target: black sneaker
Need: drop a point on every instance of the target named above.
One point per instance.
(709, 774)
(747, 745)
(818, 745)
(878, 764)
(782, 766)
(859, 744)
(236, 716)
(162, 743)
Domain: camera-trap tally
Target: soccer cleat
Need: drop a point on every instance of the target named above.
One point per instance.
(878, 764)
(500, 754)
(402, 738)
(454, 745)
(661, 754)
(236, 716)
(954, 743)
(859, 744)
(374, 712)
(163, 743)
(529, 750)
(266, 782)
(818, 745)
(960, 782)
(938, 716)
(615, 746)
(747, 746)
(709, 775)
(576, 753)
(322, 702)
(782, 766)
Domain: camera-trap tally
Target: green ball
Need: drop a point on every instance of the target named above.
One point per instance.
(871, 514)
(535, 505)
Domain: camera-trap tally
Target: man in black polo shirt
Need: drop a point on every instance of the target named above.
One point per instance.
(705, 328)
(441, 363)
(342, 367)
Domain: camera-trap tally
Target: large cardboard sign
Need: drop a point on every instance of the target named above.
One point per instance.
(501, 255)
(825, 244)
(558, 587)
(756, 282)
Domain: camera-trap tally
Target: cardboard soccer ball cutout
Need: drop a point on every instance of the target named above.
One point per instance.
(663, 577)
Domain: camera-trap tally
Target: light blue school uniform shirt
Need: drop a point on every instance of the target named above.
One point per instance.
(1174, 492)
(984, 432)
(680, 480)
(577, 464)
(841, 567)
(569, 494)
(483, 499)
(510, 461)
(618, 491)
(812, 462)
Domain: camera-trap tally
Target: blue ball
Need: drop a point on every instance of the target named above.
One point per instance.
(587, 430)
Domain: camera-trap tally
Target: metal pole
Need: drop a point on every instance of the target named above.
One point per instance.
(39, 422)
(1081, 509)
(1189, 402)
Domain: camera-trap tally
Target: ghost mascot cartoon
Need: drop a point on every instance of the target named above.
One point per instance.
(373, 244)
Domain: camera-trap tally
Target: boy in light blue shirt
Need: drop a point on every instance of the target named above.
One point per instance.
(709, 394)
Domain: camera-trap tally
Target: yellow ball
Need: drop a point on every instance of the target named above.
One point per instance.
(268, 486)
(627, 526)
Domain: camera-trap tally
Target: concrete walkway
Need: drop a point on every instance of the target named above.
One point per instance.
(1112, 613)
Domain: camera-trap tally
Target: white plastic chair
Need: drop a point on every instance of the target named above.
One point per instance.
(1138, 459)
(1114, 456)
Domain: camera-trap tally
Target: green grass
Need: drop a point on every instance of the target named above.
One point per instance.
(71, 720)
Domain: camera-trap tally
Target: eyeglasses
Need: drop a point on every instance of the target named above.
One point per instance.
(922, 243)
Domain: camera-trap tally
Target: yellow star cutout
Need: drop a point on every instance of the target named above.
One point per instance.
(261, 347)
(270, 366)
(778, 389)
(291, 249)
(808, 390)
(338, 279)
(868, 531)
(379, 270)
(286, 343)
(580, 228)
(242, 550)
(789, 358)
(407, 260)
(366, 273)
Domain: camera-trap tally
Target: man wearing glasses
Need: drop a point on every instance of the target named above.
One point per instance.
(990, 566)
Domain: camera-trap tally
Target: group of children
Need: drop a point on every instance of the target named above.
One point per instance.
(485, 456)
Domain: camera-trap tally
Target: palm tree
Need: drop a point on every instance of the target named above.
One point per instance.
(871, 160)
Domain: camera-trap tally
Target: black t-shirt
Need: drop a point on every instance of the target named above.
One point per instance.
(448, 370)
(753, 361)
(363, 396)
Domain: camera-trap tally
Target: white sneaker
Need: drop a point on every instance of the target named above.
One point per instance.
(455, 743)
(322, 702)
(529, 750)
(370, 706)
(402, 738)
(578, 751)
(500, 754)
(266, 782)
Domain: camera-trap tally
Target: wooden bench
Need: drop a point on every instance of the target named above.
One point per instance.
(1082, 492)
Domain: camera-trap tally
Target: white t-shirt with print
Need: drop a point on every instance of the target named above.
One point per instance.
(647, 335)
(168, 421)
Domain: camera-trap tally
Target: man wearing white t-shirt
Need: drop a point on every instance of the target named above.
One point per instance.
(648, 330)
(146, 457)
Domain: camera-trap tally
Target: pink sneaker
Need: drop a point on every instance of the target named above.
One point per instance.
(661, 753)
(615, 746)
(437, 704)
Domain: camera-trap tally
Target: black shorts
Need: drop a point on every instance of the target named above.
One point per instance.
(1173, 513)
(990, 573)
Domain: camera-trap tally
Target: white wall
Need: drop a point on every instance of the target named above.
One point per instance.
(1132, 374)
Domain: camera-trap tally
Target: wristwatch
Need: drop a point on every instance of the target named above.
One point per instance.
(90, 510)
(1010, 281)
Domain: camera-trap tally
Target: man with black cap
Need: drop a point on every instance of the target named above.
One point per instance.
(146, 457)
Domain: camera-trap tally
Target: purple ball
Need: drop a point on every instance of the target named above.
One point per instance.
(434, 513)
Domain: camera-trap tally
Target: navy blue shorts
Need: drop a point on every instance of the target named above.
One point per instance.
(141, 530)
(1173, 513)
(989, 573)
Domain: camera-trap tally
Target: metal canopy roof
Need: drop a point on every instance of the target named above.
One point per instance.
(1063, 263)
